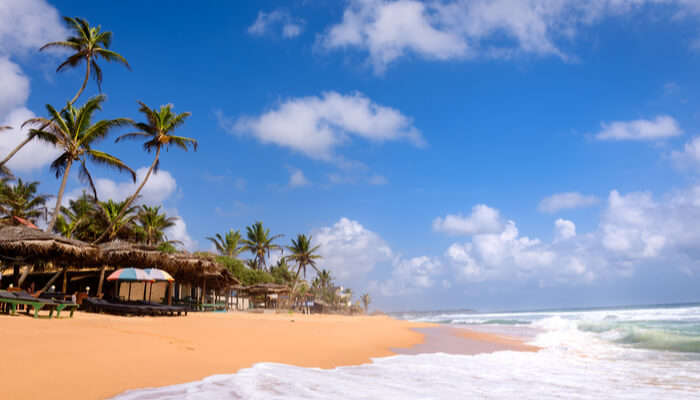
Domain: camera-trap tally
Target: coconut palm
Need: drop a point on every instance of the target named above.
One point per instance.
(21, 200)
(87, 44)
(259, 242)
(365, 301)
(228, 244)
(303, 254)
(151, 224)
(75, 220)
(73, 131)
(112, 213)
(157, 132)
(4, 171)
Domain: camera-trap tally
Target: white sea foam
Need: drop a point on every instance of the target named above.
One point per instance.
(574, 364)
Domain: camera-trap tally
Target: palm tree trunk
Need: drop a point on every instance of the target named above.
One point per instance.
(87, 77)
(132, 198)
(16, 149)
(59, 198)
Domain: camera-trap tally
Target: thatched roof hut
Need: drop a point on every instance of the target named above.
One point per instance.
(265, 288)
(20, 244)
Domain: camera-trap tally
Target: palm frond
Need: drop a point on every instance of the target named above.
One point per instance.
(109, 160)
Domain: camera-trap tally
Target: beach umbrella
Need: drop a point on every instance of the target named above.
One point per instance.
(158, 275)
(131, 275)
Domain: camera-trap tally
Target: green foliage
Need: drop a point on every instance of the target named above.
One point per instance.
(282, 274)
(303, 253)
(21, 200)
(151, 225)
(259, 242)
(228, 244)
(167, 247)
(246, 275)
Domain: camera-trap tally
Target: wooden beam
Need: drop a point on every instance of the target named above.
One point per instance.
(51, 281)
(170, 293)
(25, 273)
(15, 275)
(65, 280)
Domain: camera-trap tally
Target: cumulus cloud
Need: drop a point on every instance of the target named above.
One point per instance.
(266, 22)
(160, 186)
(689, 156)
(316, 126)
(27, 25)
(15, 86)
(34, 154)
(179, 231)
(661, 127)
(297, 178)
(459, 29)
(565, 229)
(409, 275)
(561, 201)
(483, 219)
(349, 250)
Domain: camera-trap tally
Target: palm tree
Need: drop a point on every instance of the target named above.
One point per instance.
(152, 224)
(4, 171)
(303, 254)
(227, 245)
(72, 131)
(259, 242)
(21, 200)
(365, 301)
(75, 220)
(157, 131)
(88, 44)
(119, 217)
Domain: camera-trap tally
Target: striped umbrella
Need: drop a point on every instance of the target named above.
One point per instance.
(129, 274)
(159, 275)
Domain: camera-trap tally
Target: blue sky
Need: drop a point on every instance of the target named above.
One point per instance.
(459, 154)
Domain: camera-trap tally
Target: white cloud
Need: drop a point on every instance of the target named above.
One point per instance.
(159, 187)
(689, 156)
(28, 25)
(179, 232)
(34, 154)
(661, 127)
(315, 126)
(297, 178)
(350, 251)
(565, 229)
(454, 29)
(483, 219)
(15, 86)
(561, 201)
(377, 180)
(409, 276)
(265, 22)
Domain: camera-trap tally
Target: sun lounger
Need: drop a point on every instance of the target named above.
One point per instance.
(13, 299)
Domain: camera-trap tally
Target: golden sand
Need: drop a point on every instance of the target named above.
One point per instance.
(98, 356)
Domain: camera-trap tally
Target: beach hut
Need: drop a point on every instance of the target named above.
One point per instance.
(269, 293)
(22, 245)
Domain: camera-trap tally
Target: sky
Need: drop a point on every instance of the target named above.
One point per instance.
(481, 154)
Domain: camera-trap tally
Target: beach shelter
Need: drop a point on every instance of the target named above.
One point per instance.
(130, 275)
(158, 275)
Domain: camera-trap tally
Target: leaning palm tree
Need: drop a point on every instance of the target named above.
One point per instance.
(259, 242)
(157, 132)
(365, 301)
(151, 224)
(303, 254)
(21, 200)
(228, 244)
(4, 171)
(73, 131)
(87, 44)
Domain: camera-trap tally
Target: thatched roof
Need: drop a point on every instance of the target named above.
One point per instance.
(265, 288)
(27, 245)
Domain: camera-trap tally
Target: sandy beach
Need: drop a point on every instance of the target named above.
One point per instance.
(96, 356)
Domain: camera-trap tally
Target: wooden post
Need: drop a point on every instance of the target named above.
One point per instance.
(101, 282)
(170, 293)
(145, 286)
(204, 291)
(65, 280)
(15, 275)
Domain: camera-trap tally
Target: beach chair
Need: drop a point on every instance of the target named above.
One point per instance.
(13, 299)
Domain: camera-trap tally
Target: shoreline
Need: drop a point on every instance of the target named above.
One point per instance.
(95, 356)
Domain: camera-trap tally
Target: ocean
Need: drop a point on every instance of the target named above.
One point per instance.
(645, 352)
